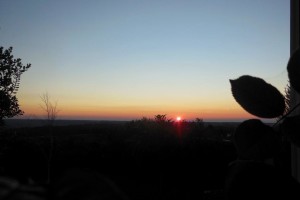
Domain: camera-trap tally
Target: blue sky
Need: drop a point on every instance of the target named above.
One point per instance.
(120, 59)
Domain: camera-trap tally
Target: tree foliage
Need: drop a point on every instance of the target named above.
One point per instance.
(11, 70)
(294, 71)
(265, 101)
(258, 97)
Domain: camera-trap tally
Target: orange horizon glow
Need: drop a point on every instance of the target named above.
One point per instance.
(136, 112)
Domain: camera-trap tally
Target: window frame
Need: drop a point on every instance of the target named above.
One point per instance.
(294, 44)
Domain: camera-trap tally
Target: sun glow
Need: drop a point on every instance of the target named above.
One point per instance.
(178, 118)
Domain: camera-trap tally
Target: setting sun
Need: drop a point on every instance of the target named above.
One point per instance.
(178, 118)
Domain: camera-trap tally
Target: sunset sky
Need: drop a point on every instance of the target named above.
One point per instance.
(125, 59)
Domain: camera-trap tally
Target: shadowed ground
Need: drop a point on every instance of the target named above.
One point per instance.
(142, 162)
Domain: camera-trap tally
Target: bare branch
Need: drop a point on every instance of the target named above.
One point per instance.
(49, 108)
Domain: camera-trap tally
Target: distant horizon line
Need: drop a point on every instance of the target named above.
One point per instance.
(234, 120)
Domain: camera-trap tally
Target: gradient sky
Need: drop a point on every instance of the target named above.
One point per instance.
(125, 59)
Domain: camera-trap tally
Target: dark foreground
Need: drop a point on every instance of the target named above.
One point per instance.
(137, 160)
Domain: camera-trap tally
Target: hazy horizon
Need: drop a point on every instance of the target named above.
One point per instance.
(237, 120)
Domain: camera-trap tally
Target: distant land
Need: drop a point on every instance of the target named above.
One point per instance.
(19, 123)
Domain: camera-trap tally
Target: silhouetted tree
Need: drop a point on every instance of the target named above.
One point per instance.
(50, 108)
(199, 123)
(51, 111)
(10, 74)
(199, 120)
(162, 119)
